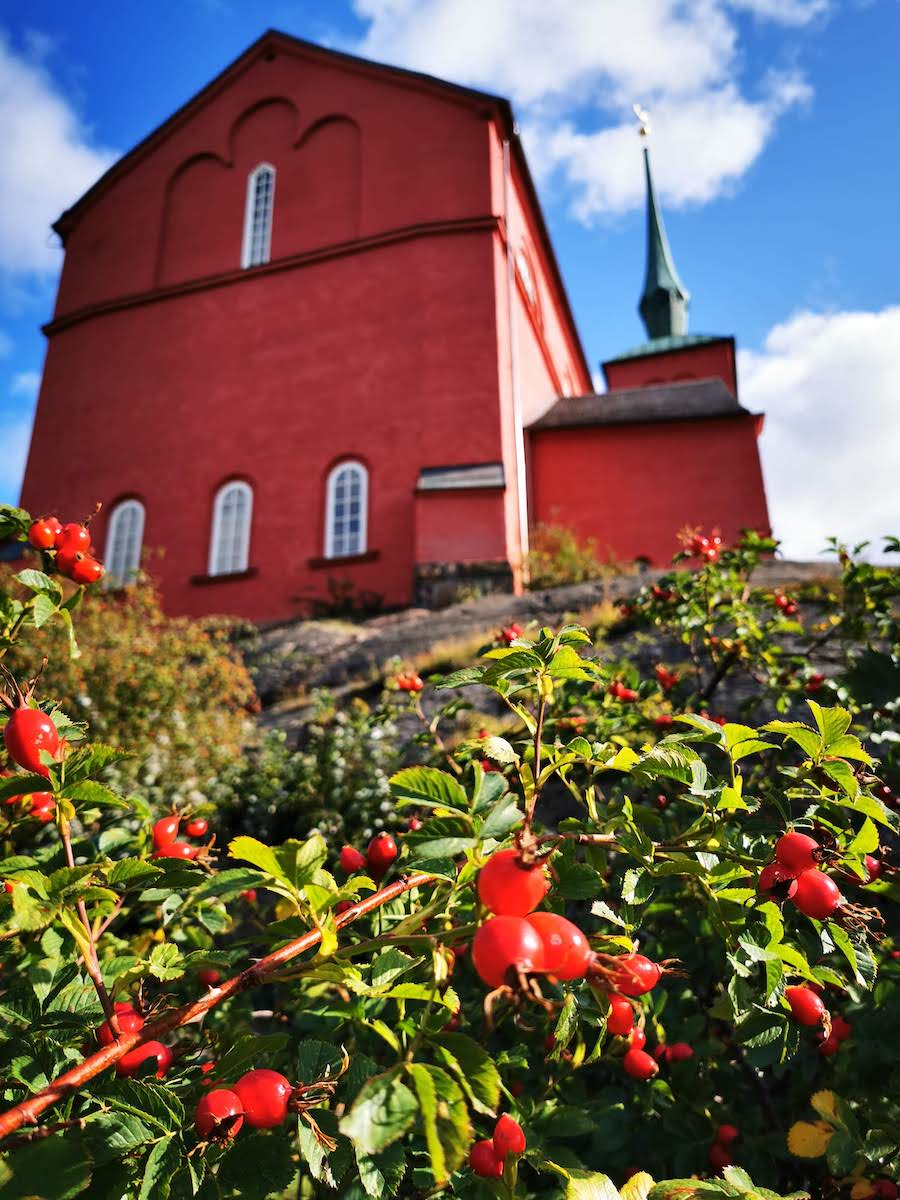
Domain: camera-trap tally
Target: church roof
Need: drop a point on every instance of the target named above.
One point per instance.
(692, 400)
(668, 345)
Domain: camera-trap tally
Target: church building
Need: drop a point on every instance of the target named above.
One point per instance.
(311, 338)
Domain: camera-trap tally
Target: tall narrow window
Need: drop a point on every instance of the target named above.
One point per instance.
(346, 499)
(123, 541)
(258, 216)
(229, 546)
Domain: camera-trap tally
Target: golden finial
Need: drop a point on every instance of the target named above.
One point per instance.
(644, 120)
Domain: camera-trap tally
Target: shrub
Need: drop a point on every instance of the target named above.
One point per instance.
(557, 556)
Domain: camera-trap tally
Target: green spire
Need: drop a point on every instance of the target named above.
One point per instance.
(665, 300)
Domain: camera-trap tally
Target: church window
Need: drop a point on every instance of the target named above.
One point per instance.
(346, 516)
(123, 541)
(229, 546)
(258, 216)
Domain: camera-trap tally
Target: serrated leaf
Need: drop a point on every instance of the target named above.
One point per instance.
(809, 1139)
(832, 722)
(474, 1067)
(637, 1186)
(257, 1165)
(505, 816)
(445, 1119)
(439, 837)
(382, 1112)
(429, 787)
(498, 749)
(249, 1051)
(825, 1104)
(248, 849)
(161, 1164)
(128, 871)
(56, 1167)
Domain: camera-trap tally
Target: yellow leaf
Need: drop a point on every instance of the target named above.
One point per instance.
(809, 1139)
(637, 1186)
(861, 1190)
(825, 1104)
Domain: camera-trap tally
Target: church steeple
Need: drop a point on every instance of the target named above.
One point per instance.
(664, 302)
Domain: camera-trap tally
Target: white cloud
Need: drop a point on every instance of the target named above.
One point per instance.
(46, 161)
(831, 455)
(575, 69)
(26, 383)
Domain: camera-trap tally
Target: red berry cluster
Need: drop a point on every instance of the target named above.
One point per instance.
(720, 1150)
(39, 805)
(510, 633)
(663, 593)
(409, 681)
(377, 859)
(794, 875)
(667, 679)
(488, 1157)
(261, 1098)
(705, 546)
(815, 682)
(165, 837)
(786, 604)
(130, 1021)
(633, 975)
(626, 694)
(72, 545)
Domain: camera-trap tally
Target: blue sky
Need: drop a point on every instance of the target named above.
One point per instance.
(775, 150)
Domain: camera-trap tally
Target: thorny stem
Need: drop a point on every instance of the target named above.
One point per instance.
(72, 1081)
(91, 961)
(538, 742)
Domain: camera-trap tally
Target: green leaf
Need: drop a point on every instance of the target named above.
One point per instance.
(248, 849)
(833, 723)
(57, 1167)
(162, 1163)
(498, 750)
(128, 871)
(382, 1174)
(37, 581)
(474, 1068)
(445, 1119)
(842, 774)
(256, 1165)
(585, 1185)
(439, 837)
(509, 664)
(568, 664)
(247, 1052)
(382, 1112)
(42, 610)
(429, 787)
(463, 678)
(506, 815)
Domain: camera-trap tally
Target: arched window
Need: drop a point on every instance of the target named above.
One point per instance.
(258, 216)
(229, 546)
(123, 541)
(346, 501)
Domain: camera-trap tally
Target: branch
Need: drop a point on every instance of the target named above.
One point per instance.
(72, 1081)
(91, 961)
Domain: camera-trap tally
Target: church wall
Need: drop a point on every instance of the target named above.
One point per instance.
(714, 360)
(632, 487)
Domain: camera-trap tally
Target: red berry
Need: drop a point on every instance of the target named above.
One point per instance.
(510, 888)
(208, 976)
(29, 731)
(381, 853)
(219, 1115)
(829, 1046)
(176, 850)
(873, 868)
(197, 827)
(637, 1038)
(509, 1137)
(620, 1018)
(680, 1052)
(8, 885)
(840, 1028)
(777, 880)
(129, 1022)
(719, 1158)
(165, 831)
(503, 943)
(885, 1189)
(343, 906)
(806, 1007)
(43, 806)
(661, 1052)
(726, 1134)
(73, 538)
(796, 851)
(129, 1064)
(816, 895)
(264, 1095)
(566, 949)
(42, 534)
(639, 1064)
(484, 1161)
(65, 559)
(634, 974)
(414, 824)
(249, 895)
(86, 570)
(351, 860)
(409, 682)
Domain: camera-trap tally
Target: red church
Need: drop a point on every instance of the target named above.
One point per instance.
(311, 331)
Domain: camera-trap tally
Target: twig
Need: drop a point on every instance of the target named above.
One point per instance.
(91, 961)
(72, 1081)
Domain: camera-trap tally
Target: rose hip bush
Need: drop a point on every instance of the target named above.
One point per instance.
(675, 999)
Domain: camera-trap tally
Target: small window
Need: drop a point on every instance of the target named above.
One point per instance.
(123, 541)
(258, 216)
(347, 498)
(229, 546)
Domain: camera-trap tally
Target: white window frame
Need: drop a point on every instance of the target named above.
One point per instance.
(241, 560)
(129, 568)
(331, 504)
(247, 259)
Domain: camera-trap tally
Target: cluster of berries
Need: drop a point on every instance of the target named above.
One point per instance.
(786, 604)
(630, 976)
(720, 1150)
(707, 547)
(261, 1098)
(131, 1021)
(39, 805)
(659, 592)
(487, 1158)
(72, 544)
(509, 634)
(794, 876)
(814, 682)
(165, 837)
(626, 694)
(409, 681)
(377, 859)
(667, 679)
